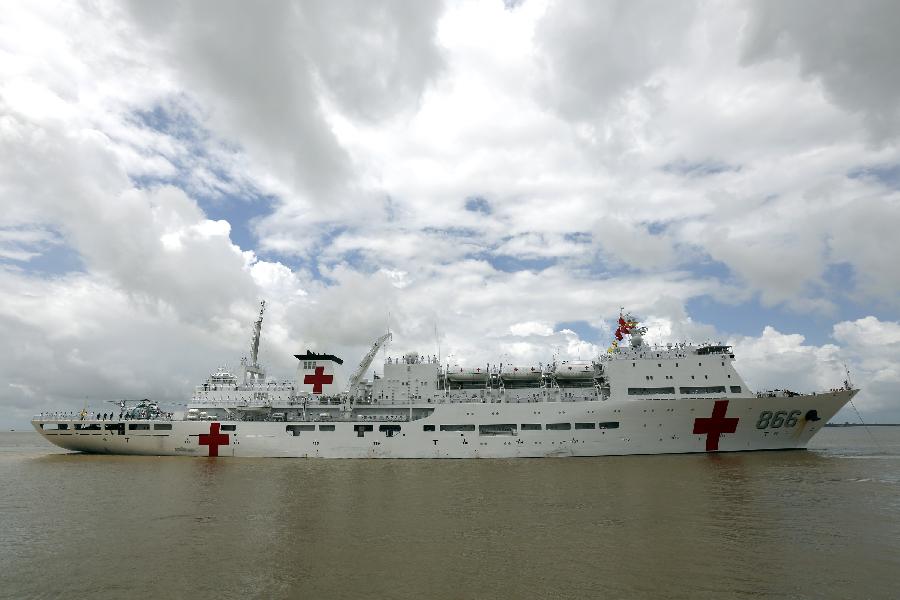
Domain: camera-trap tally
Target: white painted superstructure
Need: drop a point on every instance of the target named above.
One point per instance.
(634, 400)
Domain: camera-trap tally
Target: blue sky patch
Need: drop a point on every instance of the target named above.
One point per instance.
(176, 123)
(455, 232)
(39, 250)
(579, 237)
(656, 227)
(477, 204)
(887, 175)
(58, 259)
(240, 212)
(703, 168)
(750, 318)
(585, 330)
(513, 264)
(241, 209)
(311, 260)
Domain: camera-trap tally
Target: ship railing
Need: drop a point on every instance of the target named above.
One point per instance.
(777, 394)
(344, 418)
(95, 418)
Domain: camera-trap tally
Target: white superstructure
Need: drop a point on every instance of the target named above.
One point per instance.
(634, 400)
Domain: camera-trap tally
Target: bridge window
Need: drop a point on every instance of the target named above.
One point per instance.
(531, 426)
(457, 428)
(559, 426)
(427, 427)
(223, 428)
(139, 426)
(608, 425)
(167, 427)
(584, 426)
(713, 389)
(649, 391)
(326, 427)
(735, 389)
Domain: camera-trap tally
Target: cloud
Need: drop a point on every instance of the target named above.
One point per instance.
(868, 346)
(79, 339)
(498, 174)
(597, 53)
(265, 82)
(850, 48)
(528, 328)
(155, 243)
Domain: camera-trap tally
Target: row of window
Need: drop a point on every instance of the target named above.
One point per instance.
(116, 426)
(297, 429)
(156, 426)
(699, 364)
(650, 377)
(712, 389)
(652, 391)
(497, 428)
(510, 427)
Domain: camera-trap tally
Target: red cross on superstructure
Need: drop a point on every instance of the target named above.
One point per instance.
(213, 439)
(716, 425)
(318, 379)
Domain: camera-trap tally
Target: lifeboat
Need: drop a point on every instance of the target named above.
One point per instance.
(520, 373)
(460, 373)
(574, 369)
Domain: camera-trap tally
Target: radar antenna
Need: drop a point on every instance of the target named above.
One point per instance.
(628, 325)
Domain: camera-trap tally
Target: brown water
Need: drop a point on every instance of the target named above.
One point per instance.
(823, 523)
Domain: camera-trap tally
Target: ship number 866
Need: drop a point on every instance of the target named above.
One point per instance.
(781, 418)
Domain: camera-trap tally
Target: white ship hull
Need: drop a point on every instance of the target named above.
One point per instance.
(641, 427)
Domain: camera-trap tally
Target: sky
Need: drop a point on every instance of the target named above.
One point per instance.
(492, 179)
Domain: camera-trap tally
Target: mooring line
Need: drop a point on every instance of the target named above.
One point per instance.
(869, 431)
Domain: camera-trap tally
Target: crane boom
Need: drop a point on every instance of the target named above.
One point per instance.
(367, 360)
(254, 340)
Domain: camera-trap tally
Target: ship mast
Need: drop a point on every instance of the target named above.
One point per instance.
(253, 373)
(254, 340)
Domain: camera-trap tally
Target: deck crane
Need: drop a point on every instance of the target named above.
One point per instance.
(356, 377)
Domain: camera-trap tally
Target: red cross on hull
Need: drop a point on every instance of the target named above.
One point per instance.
(716, 425)
(213, 439)
(318, 379)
